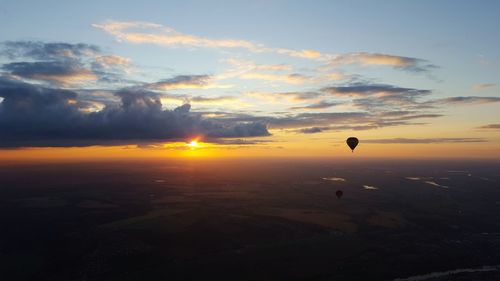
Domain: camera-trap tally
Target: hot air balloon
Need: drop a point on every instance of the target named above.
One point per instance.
(339, 193)
(352, 142)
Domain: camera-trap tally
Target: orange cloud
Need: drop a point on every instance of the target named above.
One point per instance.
(306, 54)
(363, 58)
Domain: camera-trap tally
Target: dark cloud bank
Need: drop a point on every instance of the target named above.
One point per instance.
(32, 115)
(47, 51)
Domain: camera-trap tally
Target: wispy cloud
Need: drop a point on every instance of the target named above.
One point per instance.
(491, 126)
(398, 62)
(242, 66)
(316, 106)
(362, 89)
(470, 100)
(209, 100)
(204, 100)
(162, 35)
(369, 122)
(303, 119)
(285, 96)
(187, 82)
(334, 76)
(314, 130)
(248, 65)
(112, 60)
(306, 54)
(315, 122)
(380, 97)
(480, 87)
(152, 33)
(424, 140)
(288, 78)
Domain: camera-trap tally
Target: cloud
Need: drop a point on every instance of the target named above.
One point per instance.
(200, 99)
(334, 76)
(32, 115)
(111, 68)
(302, 119)
(187, 82)
(248, 65)
(44, 51)
(237, 141)
(370, 122)
(380, 106)
(398, 62)
(183, 82)
(424, 140)
(381, 97)
(318, 105)
(396, 113)
(289, 96)
(312, 130)
(491, 126)
(471, 100)
(361, 120)
(152, 33)
(289, 78)
(208, 100)
(112, 60)
(244, 66)
(274, 67)
(312, 122)
(65, 72)
(480, 87)
(305, 54)
(62, 64)
(417, 116)
(361, 89)
(161, 35)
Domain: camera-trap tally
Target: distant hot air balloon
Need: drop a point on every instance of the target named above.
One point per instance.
(352, 142)
(339, 193)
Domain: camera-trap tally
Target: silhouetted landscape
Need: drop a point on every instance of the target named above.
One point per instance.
(250, 219)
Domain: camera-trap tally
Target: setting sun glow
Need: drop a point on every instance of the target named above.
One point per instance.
(193, 144)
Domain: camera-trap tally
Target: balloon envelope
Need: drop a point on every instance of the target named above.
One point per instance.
(339, 193)
(352, 142)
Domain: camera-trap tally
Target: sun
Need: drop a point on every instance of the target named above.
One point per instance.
(193, 144)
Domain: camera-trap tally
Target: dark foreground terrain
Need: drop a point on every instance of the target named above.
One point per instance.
(250, 220)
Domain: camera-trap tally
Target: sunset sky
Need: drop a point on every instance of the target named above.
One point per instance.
(95, 79)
